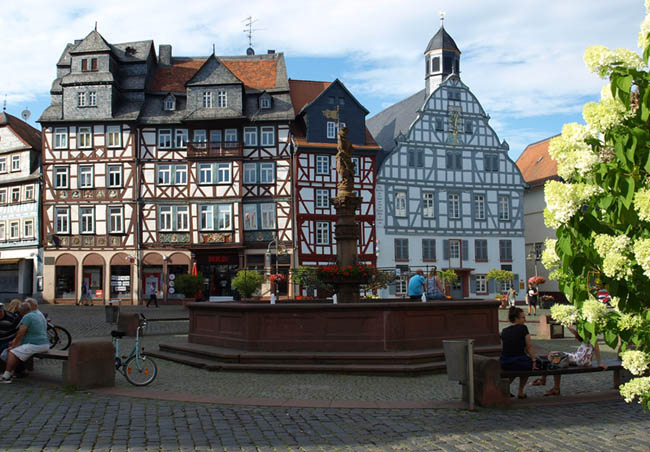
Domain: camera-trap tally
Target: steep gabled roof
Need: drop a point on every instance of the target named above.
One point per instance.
(536, 165)
(306, 89)
(213, 72)
(254, 73)
(94, 42)
(28, 134)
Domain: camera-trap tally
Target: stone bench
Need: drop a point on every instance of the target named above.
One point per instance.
(492, 385)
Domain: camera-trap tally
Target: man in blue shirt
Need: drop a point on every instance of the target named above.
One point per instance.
(416, 285)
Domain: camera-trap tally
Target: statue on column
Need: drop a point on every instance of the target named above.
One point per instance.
(344, 164)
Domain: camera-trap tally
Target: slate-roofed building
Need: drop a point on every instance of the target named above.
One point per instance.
(21, 262)
(447, 193)
(321, 108)
(537, 167)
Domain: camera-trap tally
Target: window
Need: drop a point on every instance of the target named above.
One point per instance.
(355, 163)
(505, 285)
(402, 249)
(322, 199)
(224, 217)
(505, 250)
(491, 162)
(440, 125)
(205, 173)
(250, 136)
(15, 194)
(268, 136)
(170, 103)
(14, 230)
(504, 208)
(182, 218)
(400, 204)
(322, 164)
(267, 173)
(62, 220)
(61, 138)
(87, 220)
(481, 284)
(480, 250)
(267, 212)
(215, 136)
(331, 129)
(114, 175)
(539, 247)
(322, 233)
(180, 174)
(3, 196)
(172, 174)
(416, 158)
(86, 67)
(81, 99)
(115, 220)
(29, 192)
(165, 138)
(207, 99)
(230, 136)
(454, 205)
(206, 218)
(113, 136)
(428, 206)
(222, 99)
(469, 127)
(61, 176)
(265, 102)
(84, 138)
(250, 173)
(223, 173)
(181, 138)
(454, 160)
(28, 228)
(15, 162)
(164, 174)
(3, 231)
(165, 218)
(428, 249)
(200, 138)
(454, 249)
(250, 217)
(92, 99)
(86, 177)
(3, 165)
(479, 207)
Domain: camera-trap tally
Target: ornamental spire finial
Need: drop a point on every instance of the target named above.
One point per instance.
(442, 18)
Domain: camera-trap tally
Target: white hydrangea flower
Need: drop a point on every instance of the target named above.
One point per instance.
(593, 311)
(629, 322)
(642, 255)
(563, 201)
(613, 302)
(628, 59)
(609, 113)
(643, 34)
(647, 6)
(550, 259)
(642, 203)
(566, 314)
(615, 253)
(635, 361)
(637, 387)
(598, 60)
(572, 154)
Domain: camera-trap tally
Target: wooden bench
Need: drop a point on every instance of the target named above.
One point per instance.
(614, 366)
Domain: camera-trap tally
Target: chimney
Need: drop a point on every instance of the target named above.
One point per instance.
(270, 52)
(165, 54)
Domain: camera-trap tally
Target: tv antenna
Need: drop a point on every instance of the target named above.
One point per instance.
(26, 114)
(248, 23)
(4, 104)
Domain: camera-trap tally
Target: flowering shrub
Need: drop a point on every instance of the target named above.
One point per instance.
(537, 280)
(277, 278)
(343, 273)
(566, 314)
(601, 211)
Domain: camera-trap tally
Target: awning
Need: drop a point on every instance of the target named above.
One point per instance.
(11, 261)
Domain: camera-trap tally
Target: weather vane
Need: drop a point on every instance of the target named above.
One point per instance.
(442, 18)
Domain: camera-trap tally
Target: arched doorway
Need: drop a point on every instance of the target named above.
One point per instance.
(65, 277)
(121, 277)
(92, 275)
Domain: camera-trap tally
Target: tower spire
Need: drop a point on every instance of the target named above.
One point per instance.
(442, 19)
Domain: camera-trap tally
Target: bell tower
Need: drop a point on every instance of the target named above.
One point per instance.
(441, 58)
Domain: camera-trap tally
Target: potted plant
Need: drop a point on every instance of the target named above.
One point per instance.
(536, 280)
(546, 301)
(190, 285)
(247, 282)
(448, 278)
(306, 276)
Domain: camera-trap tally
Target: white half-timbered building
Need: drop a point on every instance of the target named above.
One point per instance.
(21, 262)
(447, 193)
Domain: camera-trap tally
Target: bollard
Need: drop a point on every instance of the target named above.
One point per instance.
(459, 359)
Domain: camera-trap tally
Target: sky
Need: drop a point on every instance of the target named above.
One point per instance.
(522, 59)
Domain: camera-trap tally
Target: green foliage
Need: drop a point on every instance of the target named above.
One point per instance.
(380, 280)
(247, 282)
(448, 277)
(307, 277)
(190, 285)
(500, 275)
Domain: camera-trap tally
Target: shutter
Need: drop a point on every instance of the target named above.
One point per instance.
(450, 160)
(420, 158)
(391, 289)
(465, 250)
(433, 249)
(516, 283)
(84, 65)
(472, 283)
(459, 160)
(473, 206)
(491, 286)
(445, 249)
(93, 64)
(485, 250)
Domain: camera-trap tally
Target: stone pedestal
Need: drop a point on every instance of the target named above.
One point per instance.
(347, 238)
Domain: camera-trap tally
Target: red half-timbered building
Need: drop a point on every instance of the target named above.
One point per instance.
(321, 108)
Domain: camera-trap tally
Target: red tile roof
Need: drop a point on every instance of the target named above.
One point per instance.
(256, 74)
(29, 135)
(304, 92)
(535, 163)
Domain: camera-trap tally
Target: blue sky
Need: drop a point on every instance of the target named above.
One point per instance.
(522, 59)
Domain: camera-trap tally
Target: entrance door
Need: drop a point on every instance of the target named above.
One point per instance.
(457, 289)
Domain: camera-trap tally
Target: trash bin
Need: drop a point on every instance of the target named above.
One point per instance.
(112, 311)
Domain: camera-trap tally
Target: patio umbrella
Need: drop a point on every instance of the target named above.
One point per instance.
(194, 271)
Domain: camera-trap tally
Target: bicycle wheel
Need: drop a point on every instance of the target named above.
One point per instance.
(141, 370)
(59, 337)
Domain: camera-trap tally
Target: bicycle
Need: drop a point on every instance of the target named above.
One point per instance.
(137, 367)
(58, 336)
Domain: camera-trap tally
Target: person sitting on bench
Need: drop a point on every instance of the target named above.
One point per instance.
(582, 357)
(517, 353)
(9, 322)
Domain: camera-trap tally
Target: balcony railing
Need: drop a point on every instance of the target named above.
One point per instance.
(214, 149)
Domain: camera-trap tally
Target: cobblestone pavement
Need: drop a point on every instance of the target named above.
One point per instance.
(49, 419)
(177, 378)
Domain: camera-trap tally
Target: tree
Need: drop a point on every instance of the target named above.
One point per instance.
(306, 276)
(601, 211)
(379, 280)
(190, 285)
(247, 282)
(500, 275)
(448, 278)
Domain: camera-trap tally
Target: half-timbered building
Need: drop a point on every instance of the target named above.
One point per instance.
(215, 168)
(90, 170)
(321, 108)
(447, 193)
(20, 170)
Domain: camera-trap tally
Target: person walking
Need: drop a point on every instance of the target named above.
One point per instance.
(512, 295)
(152, 295)
(83, 300)
(531, 298)
(417, 285)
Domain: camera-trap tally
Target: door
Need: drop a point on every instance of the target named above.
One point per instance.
(455, 253)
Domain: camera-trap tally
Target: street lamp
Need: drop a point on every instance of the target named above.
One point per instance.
(279, 249)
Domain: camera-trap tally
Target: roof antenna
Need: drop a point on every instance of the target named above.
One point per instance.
(213, 49)
(248, 22)
(95, 25)
(442, 19)
(4, 104)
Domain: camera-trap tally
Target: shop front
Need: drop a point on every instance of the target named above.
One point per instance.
(92, 275)
(65, 278)
(219, 269)
(121, 277)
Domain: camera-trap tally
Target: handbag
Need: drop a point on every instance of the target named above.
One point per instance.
(558, 360)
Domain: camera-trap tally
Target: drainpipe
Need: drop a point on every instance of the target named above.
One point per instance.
(294, 233)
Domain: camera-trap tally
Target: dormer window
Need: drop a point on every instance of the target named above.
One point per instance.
(265, 101)
(207, 99)
(222, 99)
(81, 99)
(92, 99)
(170, 103)
(89, 64)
